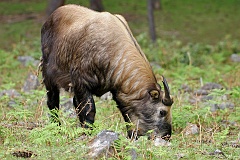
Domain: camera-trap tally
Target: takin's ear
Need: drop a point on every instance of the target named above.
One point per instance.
(154, 94)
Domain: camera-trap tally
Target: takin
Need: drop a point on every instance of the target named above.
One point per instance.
(90, 53)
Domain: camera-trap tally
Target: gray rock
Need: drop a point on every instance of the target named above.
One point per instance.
(106, 96)
(161, 142)
(202, 98)
(31, 83)
(26, 60)
(11, 93)
(217, 152)
(67, 105)
(101, 144)
(206, 98)
(193, 99)
(191, 129)
(12, 103)
(201, 92)
(211, 86)
(234, 144)
(133, 154)
(228, 123)
(214, 107)
(180, 155)
(185, 88)
(223, 105)
(235, 57)
(204, 94)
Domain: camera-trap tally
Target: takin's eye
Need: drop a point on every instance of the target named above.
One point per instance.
(163, 113)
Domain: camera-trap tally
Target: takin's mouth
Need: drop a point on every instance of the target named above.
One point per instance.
(154, 136)
(166, 137)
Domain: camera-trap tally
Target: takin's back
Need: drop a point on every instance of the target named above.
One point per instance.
(74, 25)
(99, 46)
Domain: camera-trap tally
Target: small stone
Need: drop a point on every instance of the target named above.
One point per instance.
(201, 92)
(191, 129)
(31, 83)
(26, 60)
(185, 88)
(226, 105)
(223, 105)
(194, 99)
(223, 98)
(214, 107)
(102, 143)
(211, 86)
(161, 142)
(235, 58)
(180, 155)
(228, 123)
(133, 154)
(11, 93)
(217, 152)
(67, 105)
(235, 144)
(206, 98)
(107, 96)
(12, 103)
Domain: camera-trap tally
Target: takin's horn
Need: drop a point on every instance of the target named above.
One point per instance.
(167, 100)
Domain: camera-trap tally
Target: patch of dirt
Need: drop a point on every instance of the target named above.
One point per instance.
(21, 17)
(26, 125)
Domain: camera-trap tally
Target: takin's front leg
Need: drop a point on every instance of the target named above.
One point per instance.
(85, 107)
(53, 102)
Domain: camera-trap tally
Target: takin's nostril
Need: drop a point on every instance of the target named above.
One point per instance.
(163, 113)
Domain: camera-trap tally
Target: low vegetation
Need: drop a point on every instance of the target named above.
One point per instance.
(25, 130)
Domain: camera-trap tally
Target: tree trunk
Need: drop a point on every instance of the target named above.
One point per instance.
(151, 20)
(96, 5)
(53, 5)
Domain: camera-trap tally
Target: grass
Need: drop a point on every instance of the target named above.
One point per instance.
(21, 7)
(199, 21)
(25, 125)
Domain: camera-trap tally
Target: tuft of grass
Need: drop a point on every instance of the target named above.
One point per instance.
(24, 125)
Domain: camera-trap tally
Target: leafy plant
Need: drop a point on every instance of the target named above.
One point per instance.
(25, 122)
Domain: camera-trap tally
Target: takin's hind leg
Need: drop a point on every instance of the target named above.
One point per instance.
(53, 102)
(85, 107)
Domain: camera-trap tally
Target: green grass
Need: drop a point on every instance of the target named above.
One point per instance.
(183, 61)
(50, 141)
(21, 7)
(198, 21)
(184, 20)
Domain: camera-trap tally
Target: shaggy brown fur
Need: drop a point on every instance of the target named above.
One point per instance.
(91, 53)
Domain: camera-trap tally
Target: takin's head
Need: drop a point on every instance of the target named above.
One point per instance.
(152, 115)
